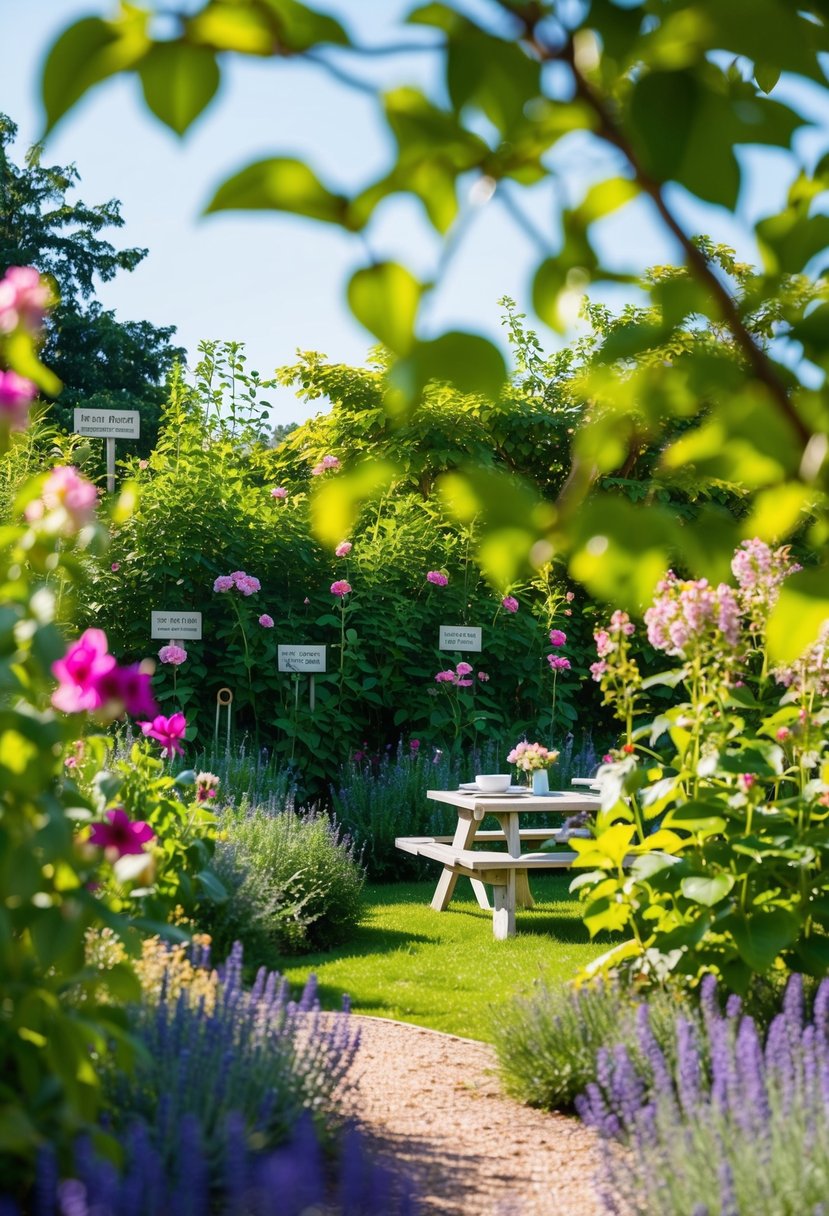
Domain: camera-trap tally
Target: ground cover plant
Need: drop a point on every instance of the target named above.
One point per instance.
(294, 882)
(438, 969)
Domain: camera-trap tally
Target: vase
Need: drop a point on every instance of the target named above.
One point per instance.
(541, 782)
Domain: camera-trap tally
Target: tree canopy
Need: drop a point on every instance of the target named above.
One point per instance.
(668, 91)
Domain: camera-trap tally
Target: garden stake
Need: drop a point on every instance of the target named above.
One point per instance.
(311, 693)
(223, 697)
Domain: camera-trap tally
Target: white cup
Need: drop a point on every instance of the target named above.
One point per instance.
(493, 783)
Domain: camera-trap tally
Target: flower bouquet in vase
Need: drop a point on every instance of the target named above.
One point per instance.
(535, 760)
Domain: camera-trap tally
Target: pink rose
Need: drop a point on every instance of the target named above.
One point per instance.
(223, 583)
(176, 655)
(279, 492)
(558, 638)
(509, 603)
(437, 578)
(558, 662)
(266, 621)
(463, 669)
(343, 548)
(340, 588)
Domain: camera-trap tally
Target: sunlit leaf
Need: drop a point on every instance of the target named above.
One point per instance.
(385, 298)
(470, 363)
(336, 504)
(707, 891)
(800, 612)
(85, 54)
(280, 184)
(179, 81)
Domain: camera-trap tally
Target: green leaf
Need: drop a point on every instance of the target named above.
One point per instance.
(85, 54)
(336, 504)
(385, 298)
(468, 362)
(212, 887)
(761, 937)
(280, 184)
(707, 891)
(697, 816)
(766, 75)
(797, 617)
(179, 81)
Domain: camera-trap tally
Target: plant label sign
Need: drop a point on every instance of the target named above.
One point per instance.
(460, 637)
(170, 625)
(108, 424)
(301, 658)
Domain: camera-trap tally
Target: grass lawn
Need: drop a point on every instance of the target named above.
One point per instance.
(444, 969)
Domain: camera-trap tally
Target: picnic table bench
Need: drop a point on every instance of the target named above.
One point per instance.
(506, 870)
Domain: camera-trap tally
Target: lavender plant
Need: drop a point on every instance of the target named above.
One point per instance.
(738, 1125)
(253, 1053)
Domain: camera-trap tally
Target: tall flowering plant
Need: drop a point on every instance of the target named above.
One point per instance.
(711, 843)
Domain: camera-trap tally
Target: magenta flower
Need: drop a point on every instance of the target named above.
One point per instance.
(173, 654)
(127, 689)
(436, 577)
(279, 492)
(115, 567)
(24, 298)
(343, 548)
(414, 744)
(558, 638)
(558, 662)
(167, 731)
(266, 621)
(327, 462)
(483, 677)
(121, 836)
(445, 677)
(509, 603)
(463, 669)
(340, 588)
(80, 672)
(223, 583)
(16, 395)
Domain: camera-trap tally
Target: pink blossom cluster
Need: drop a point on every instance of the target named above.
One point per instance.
(67, 500)
(531, 757)
(509, 603)
(24, 298)
(558, 662)
(327, 463)
(207, 786)
(687, 615)
(760, 571)
(173, 654)
(341, 588)
(245, 583)
(608, 641)
(16, 395)
(266, 621)
(459, 676)
(437, 578)
(343, 548)
(167, 731)
(279, 492)
(90, 680)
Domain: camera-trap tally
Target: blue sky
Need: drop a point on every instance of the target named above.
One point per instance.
(277, 283)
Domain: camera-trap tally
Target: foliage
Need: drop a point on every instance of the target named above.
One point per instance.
(738, 1124)
(210, 476)
(548, 1040)
(664, 95)
(710, 848)
(294, 883)
(103, 363)
(175, 874)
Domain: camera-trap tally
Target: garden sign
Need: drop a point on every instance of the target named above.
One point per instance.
(308, 659)
(109, 425)
(460, 637)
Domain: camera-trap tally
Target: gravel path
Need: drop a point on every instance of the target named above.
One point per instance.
(432, 1101)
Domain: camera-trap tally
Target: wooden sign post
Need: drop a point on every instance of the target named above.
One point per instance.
(109, 425)
(308, 659)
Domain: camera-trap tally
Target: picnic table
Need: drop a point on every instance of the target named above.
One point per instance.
(505, 869)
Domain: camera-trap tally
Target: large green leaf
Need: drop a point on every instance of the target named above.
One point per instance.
(85, 54)
(385, 298)
(707, 891)
(761, 937)
(799, 614)
(470, 363)
(280, 184)
(179, 82)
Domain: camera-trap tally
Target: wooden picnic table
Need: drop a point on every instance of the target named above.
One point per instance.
(505, 869)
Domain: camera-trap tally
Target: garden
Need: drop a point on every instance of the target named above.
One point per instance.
(236, 666)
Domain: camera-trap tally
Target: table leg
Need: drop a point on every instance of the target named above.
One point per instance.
(510, 828)
(503, 915)
(464, 835)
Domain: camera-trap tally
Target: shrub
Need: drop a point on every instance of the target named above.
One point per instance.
(738, 1126)
(548, 1042)
(293, 879)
